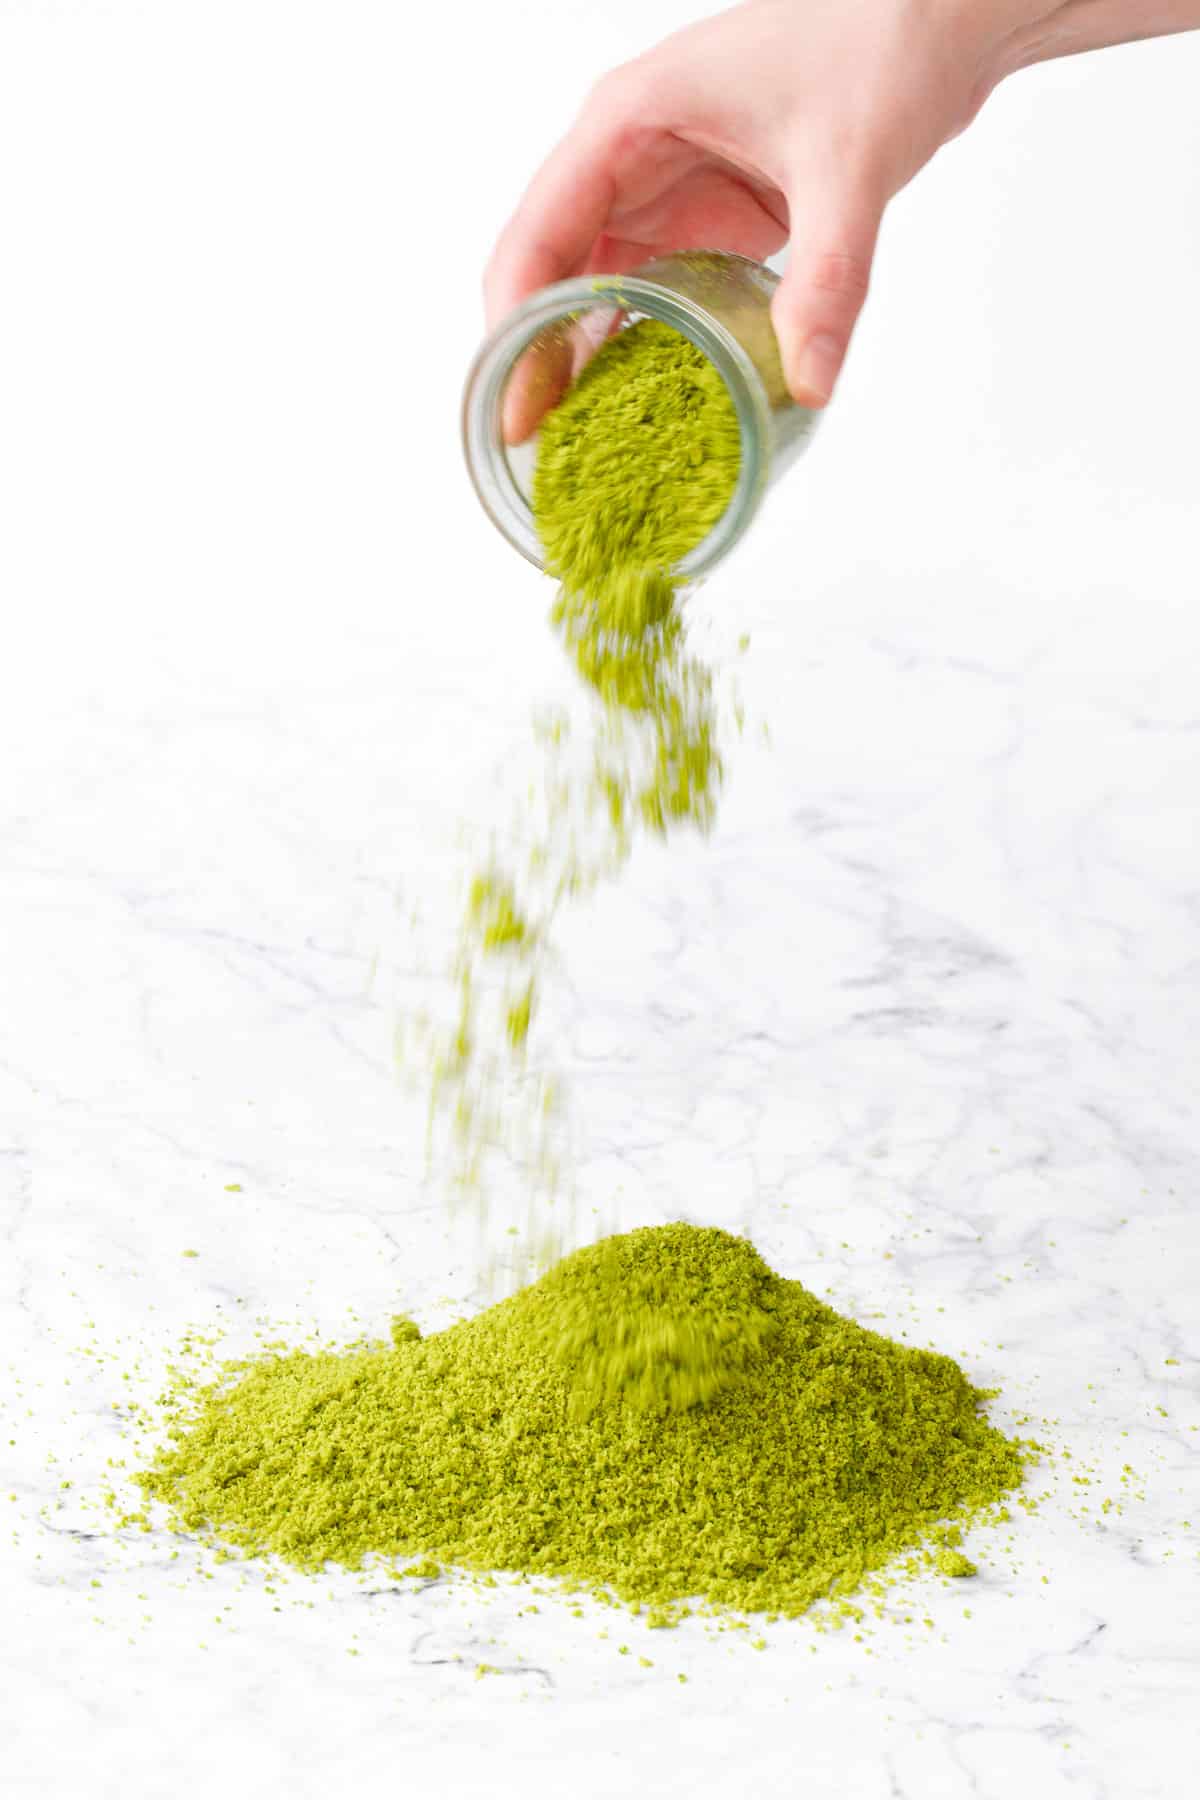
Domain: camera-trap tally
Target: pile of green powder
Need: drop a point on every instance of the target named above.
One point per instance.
(659, 1417)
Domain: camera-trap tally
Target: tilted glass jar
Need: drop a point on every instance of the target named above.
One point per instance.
(721, 302)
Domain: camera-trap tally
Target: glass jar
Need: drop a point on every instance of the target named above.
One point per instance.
(721, 302)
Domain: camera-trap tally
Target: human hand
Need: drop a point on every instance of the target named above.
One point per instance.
(777, 119)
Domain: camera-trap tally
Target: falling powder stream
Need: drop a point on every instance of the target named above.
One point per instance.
(634, 468)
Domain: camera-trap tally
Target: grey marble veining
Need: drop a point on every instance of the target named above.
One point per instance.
(922, 1025)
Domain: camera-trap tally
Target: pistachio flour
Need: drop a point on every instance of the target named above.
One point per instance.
(634, 468)
(660, 1418)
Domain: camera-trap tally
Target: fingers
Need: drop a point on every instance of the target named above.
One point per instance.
(538, 381)
(563, 212)
(708, 203)
(549, 237)
(818, 302)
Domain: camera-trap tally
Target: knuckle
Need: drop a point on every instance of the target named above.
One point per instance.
(842, 275)
(627, 91)
(607, 92)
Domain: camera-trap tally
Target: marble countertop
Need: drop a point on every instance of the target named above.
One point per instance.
(920, 1017)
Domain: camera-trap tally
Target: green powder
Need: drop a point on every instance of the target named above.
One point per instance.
(660, 1417)
(494, 916)
(634, 468)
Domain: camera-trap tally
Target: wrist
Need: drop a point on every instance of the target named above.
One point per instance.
(984, 41)
(1069, 27)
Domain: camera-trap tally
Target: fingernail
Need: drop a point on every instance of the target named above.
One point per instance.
(818, 364)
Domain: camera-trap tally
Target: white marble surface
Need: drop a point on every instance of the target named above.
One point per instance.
(922, 1016)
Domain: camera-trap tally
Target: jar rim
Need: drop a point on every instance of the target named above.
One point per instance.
(483, 392)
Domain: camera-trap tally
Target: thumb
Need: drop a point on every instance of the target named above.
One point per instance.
(822, 291)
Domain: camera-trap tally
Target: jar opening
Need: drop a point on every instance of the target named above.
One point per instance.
(531, 361)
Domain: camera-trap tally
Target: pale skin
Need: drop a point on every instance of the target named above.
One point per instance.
(781, 119)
